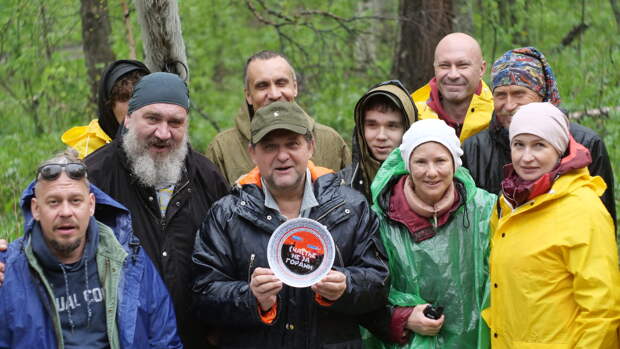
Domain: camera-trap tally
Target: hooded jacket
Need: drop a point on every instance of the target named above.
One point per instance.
(229, 149)
(364, 166)
(448, 269)
(232, 242)
(554, 270)
(478, 114)
(486, 153)
(168, 241)
(139, 309)
(99, 132)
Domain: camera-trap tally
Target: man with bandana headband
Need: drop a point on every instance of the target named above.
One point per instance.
(167, 186)
(522, 76)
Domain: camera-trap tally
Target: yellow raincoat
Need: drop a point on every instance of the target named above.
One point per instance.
(86, 139)
(554, 270)
(478, 115)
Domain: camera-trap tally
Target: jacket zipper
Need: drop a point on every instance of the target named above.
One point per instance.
(330, 210)
(252, 256)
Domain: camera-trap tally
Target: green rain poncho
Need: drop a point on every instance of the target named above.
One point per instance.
(449, 269)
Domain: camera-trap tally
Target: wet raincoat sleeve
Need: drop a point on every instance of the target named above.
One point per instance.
(215, 287)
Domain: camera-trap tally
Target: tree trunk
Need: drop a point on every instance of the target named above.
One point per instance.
(95, 39)
(422, 24)
(164, 48)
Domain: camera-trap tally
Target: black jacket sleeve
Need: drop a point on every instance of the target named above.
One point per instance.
(215, 290)
(367, 272)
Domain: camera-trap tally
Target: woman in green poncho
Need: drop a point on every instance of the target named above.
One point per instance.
(435, 225)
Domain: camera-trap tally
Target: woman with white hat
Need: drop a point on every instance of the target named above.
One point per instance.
(554, 262)
(434, 225)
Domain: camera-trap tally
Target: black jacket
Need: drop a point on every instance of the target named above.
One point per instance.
(486, 153)
(232, 242)
(168, 241)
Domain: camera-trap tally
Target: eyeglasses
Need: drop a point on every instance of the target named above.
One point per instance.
(51, 172)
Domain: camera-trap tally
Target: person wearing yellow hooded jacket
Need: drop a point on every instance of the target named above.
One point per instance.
(554, 263)
(382, 116)
(457, 94)
(115, 88)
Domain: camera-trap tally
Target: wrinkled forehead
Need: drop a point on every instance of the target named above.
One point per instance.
(62, 186)
(269, 69)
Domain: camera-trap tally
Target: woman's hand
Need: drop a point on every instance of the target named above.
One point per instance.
(420, 324)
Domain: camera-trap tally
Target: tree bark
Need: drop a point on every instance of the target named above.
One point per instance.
(162, 39)
(422, 24)
(96, 41)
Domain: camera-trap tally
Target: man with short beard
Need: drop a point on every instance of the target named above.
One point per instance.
(167, 186)
(78, 278)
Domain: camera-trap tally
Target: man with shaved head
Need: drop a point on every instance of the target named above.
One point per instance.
(457, 94)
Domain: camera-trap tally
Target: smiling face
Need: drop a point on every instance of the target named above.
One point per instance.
(532, 156)
(432, 170)
(63, 208)
(459, 67)
(268, 81)
(282, 158)
(507, 100)
(383, 131)
(160, 127)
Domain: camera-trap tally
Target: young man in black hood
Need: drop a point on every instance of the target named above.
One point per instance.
(115, 88)
(382, 116)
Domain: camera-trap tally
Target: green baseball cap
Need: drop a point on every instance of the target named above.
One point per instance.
(276, 116)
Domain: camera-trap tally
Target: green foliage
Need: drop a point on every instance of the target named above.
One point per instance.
(44, 86)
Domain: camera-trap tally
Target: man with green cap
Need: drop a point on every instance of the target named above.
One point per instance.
(232, 274)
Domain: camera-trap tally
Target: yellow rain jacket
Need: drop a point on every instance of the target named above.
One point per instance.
(478, 115)
(86, 139)
(555, 282)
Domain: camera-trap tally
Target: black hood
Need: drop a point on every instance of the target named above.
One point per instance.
(113, 72)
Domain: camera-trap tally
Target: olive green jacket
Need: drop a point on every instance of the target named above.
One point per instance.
(229, 149)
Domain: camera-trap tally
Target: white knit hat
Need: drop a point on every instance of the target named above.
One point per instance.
(430, 130)
(543, 120)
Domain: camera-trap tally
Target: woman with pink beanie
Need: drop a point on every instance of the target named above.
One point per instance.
(554, 263)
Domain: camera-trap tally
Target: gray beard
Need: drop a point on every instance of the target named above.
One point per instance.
(154, 170)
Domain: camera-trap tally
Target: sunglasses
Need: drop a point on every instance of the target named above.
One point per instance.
(51, 172)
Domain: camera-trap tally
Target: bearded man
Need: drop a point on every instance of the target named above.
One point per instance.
(167, 186)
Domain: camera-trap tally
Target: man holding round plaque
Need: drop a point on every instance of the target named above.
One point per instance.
(291, 258)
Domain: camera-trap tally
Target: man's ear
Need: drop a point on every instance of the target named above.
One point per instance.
(91, 202)
(34, 208)
(483, 68)
(312, 146)
(248, 96)
(252, 152)
(127, 120)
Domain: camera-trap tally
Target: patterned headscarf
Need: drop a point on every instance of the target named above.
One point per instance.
(526, 67)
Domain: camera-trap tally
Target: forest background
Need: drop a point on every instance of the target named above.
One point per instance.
(339, 49)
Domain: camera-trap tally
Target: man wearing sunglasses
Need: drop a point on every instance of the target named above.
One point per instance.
(167, 186)
(382, 116)
(76, 279)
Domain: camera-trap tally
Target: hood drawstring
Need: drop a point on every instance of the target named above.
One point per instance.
(67, 296)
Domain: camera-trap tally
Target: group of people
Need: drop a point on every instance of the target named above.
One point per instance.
(465, 216)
